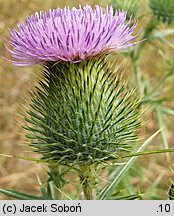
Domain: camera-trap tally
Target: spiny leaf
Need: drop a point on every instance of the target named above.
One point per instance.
(130, 197)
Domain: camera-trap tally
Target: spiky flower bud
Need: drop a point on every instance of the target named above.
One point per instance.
(163, 10)
(131, 6)
(81, 113)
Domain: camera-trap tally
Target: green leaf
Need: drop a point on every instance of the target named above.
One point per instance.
(121, 171)
(21, 157)
(167, 43)
(130, 197)
(19, 195)
(158, 151)
(167, 110)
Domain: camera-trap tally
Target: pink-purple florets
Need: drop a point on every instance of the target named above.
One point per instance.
(70, 35)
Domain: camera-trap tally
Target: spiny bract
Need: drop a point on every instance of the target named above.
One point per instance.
(81, 113)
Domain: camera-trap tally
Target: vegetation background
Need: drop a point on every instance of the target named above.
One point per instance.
(151, 174)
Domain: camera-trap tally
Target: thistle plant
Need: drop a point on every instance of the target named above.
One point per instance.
(83, 115)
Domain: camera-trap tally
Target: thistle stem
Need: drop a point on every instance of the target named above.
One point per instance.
(55, 194)
(136, 54)
(56, 182)
(138, 76)
(135, 58)
(88, 180)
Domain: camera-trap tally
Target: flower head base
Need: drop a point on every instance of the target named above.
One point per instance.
(70, 35)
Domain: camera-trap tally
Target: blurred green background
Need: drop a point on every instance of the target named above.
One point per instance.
(153, 173)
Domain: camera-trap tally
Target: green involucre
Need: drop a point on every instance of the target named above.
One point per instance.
(163, 10)
(81, 113)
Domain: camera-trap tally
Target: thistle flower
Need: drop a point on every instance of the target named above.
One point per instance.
(70, 35)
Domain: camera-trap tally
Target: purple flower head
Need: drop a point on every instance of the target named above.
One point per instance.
(69, 35)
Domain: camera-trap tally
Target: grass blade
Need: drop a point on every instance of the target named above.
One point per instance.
(19, 195)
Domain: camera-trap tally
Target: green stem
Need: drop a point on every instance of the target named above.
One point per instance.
(55, 194)
(138, 76)
(56, 182)
(88, 180)
(162, 124)
(136, 64)
(136, 54)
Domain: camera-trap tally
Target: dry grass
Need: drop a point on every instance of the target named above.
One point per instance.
(15, 84)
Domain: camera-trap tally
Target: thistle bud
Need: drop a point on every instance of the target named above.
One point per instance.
(81, 113)
(163, 10)
(131, 6)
